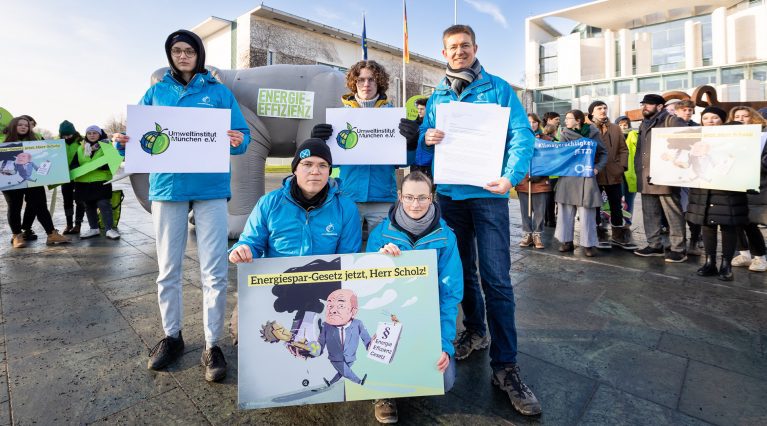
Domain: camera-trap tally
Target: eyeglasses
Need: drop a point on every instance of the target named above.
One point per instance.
(189, 52)
(307, 166)
(361, 80)
(409, 199)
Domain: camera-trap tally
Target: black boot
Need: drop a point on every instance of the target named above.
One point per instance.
(709, 268)
(725, 270)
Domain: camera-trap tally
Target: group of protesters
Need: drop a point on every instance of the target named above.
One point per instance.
(467, 225)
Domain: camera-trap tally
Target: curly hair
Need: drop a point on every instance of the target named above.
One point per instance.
(379, 73)
(756, 118)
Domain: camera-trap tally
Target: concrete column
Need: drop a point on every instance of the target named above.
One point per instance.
(693, 45)
(751, 90)
(719, 36)
(624, 44)
(532, 64)
(643, 43)
(609, 38)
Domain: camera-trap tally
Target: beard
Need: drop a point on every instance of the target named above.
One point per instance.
(648, 114)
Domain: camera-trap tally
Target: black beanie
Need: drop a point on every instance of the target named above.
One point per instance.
(594, 105)
(313, 147)
(715, 110)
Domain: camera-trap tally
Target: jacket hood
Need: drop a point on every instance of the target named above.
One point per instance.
(198, 46)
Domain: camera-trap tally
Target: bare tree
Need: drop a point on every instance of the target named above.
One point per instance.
(115, 125)
(45, 133)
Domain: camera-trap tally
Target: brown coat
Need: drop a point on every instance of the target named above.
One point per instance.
(642, 158)
(535, 188)
(617, 155)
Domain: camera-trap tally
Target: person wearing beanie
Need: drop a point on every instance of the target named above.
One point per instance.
(188, 84)
(307, 216)
(658, 200)
(718, 112)
(74, 210)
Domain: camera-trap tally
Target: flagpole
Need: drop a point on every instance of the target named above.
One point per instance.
(455, 12)
(404, 47)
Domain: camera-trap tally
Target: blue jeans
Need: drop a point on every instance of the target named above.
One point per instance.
(448, 377)
(487, 221)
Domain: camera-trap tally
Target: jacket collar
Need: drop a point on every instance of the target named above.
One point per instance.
(198, 81)
(480, 84)
(333, 191)
(349, 101)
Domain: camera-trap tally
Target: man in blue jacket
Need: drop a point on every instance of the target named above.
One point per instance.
(482, 213)
(189, 84)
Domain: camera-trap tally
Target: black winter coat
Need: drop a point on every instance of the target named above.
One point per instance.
(714, 207)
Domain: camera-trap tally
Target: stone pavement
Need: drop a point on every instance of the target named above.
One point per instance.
(605, 340)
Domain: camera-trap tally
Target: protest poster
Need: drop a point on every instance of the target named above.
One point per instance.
(282, 103)
(570, 158)
(332, 328)
(33, 163)
(177, 140)
(366, 136)
(711, 157)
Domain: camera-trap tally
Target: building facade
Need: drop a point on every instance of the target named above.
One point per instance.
(266, 36)
(622, 49)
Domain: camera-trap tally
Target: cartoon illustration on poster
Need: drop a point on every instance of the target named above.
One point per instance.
(33, 163)
(338, 328)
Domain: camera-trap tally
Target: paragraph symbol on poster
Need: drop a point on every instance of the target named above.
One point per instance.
(384, 346)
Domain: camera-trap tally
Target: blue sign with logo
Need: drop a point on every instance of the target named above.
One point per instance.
(570, 158)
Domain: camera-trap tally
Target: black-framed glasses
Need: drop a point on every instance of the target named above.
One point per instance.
(189, 52)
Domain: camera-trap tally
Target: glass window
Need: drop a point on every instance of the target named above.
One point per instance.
(593, 90)
(675, 81)
(427, 90)
(759, 72)
(622, 87)
(700, 78)
(732, 75)
(649, 84)
(558, 94)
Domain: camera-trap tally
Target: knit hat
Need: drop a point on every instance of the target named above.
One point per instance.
(313, 147)
(93, 128)
(653, 99)
(66, 128)
(715, 110)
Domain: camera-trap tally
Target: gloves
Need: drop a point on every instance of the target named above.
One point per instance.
(409, 129)
(322, 131)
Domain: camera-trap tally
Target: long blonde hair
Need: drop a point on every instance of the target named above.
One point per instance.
(756, 118)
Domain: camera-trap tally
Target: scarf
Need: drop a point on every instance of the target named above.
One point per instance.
(366, 104)
(463, 77)
(308, 203)
(416, 228)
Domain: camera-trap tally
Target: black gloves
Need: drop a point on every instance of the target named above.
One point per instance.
(409, 129)
(322, 131)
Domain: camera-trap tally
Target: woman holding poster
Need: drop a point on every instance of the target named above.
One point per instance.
(188, 84)
(415, 223)
(372, 187)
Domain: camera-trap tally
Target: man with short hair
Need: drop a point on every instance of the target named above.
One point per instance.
(480, 216)
(658, 199)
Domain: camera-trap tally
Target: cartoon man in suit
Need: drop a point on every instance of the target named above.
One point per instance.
(341, 334)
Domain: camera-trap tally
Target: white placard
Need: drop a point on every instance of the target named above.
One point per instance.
(383, 348)
(177, 140)
(475, 139)
(366, 136)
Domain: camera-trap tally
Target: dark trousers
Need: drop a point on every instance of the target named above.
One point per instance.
(751, 238)
(729, 240)
(481, 226)
(614, 195)
(74, 209)
(551, 204)
(105, 207)
(36, 205)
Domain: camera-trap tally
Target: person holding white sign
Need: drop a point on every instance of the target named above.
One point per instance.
(480, 216)
(415, 223)
(372, 187)
(189, 84)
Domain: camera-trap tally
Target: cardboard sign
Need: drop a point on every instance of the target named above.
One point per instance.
(285, 103)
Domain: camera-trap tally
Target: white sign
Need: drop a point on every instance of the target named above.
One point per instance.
(475, 139)
(285, 103)
(711, 157)
(366, 136)
(383, 348)
(177, 140)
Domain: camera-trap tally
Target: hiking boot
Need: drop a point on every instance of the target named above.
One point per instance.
(29, 235)
(165, 352)
(215, 364)
(527, 240)
(537, 241)
(709, 268)
(386, 411)
(112, 234)
(675, 257)
(76, 229)
(758, 264)
(18, 241)
(90, 233)
(741, 260)
(522, 398)
(68, 229)
(725, 270)
(565, 247)
(468, 341)
(649, 251)
(56, 238)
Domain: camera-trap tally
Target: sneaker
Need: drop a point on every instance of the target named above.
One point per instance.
(649, 251)
(112, 234)
(29, 235)
(759, 264)
(89, 234)
(675, 257)
(527, 240)
(165, 352)
(522, 398)
(55, 238)
(386, 411)
(741, 260)
(18, 241)
(468, 341)
(215, 364)
(537, 241)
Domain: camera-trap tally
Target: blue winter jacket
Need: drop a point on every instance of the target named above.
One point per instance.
(450, 274)
(204, 91)
(368, 183)
(279, 227)
(486, 89)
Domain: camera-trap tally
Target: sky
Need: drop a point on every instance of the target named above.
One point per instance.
(84, 61)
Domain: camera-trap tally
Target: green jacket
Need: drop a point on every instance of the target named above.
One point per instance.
(630, 174)
(101, 174)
